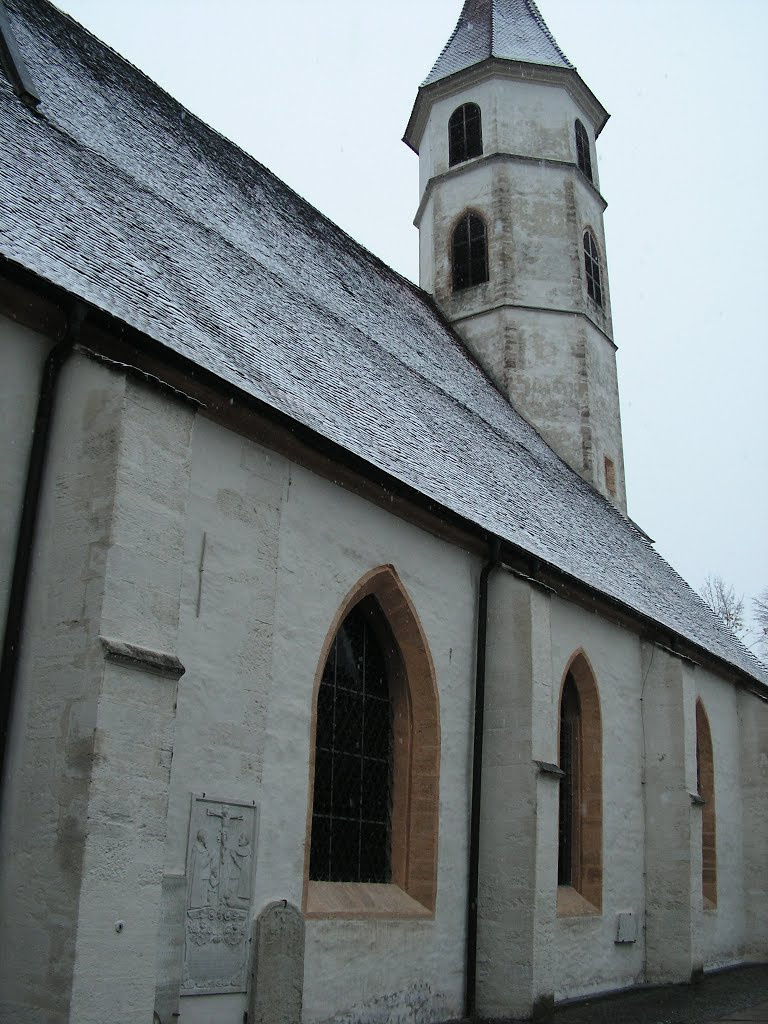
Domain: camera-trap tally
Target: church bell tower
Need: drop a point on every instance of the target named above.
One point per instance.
(511, 228)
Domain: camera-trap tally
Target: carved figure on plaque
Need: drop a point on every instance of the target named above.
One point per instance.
(220, 864)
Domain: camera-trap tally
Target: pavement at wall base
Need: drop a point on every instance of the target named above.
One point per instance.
(737, 995)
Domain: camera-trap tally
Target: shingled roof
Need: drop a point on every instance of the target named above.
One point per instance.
(507, 29)
(117, 194)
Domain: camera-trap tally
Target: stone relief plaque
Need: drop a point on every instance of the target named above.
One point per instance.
(221, 854)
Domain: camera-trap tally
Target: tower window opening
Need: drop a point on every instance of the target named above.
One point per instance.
(465, 134)
(592, 267)
(470, 252)
(353, 756)
(583, 154)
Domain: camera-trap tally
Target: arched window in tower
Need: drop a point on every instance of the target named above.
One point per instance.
(580, 823)
(705, 777)
(592, 268)
(375, 761)
(583, 153)
(465, 134)
(469, 252)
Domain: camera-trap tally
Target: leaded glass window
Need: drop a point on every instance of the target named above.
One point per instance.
(570, 783)
(353, 754)
(592, 267)
(583, 154)
(465, 134)
(470, 252)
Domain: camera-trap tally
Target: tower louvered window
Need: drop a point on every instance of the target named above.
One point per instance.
(592, 268)
(465, 134)
(353, 756)
(583, 154)
(469, 252)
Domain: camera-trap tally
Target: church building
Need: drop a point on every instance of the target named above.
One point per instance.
(337, 683)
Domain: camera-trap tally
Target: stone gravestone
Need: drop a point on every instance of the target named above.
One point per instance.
(220, 864)
(277, 975)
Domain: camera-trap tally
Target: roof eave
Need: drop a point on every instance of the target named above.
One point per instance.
(547, 74)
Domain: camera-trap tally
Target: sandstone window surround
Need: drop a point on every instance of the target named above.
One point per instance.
(410, 885)
(705, 777)
(583, 153)
(465, 134)
(592, 268)
(580, 826)
(469, 251)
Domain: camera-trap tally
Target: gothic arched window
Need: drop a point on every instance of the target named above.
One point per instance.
(465, 134)
(353, 754)
(469, 252)
(583, 154)
(705, 777)
(374, 791)
(580, 824)
(592, 268)
(569, 833)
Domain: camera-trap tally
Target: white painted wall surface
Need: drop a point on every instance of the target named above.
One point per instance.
(283, 550)
(52, 731)
(587, 958)
(719, 934)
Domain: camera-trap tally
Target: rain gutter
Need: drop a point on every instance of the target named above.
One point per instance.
(30, 507)
(477, 782)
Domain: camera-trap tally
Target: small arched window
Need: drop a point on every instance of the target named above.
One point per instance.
(469, 252)
(705, 777)
(580, 826)
(583, 153)
(592, 268)
(465, 134)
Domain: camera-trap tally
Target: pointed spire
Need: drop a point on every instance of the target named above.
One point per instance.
(506, 29)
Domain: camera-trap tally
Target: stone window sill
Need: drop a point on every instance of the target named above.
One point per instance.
(359, 900)
(709, 905)
(571, 903)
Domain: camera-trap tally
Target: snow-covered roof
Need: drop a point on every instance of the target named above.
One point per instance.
(507, 29)
(114, 192)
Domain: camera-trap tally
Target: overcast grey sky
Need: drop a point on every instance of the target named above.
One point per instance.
(321, 93)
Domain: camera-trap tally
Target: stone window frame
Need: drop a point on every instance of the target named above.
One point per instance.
(412, 891)
(705, 780)
(592, 267)
(584, 896)
(583, 150)
(465, 142)
(462, 276)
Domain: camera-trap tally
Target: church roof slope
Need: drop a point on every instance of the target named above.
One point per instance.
(507, 29)
(115, 193)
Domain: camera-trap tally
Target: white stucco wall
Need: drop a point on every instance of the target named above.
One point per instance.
(586, 957)
(106, 757)
(283, 550)
(719, 933)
